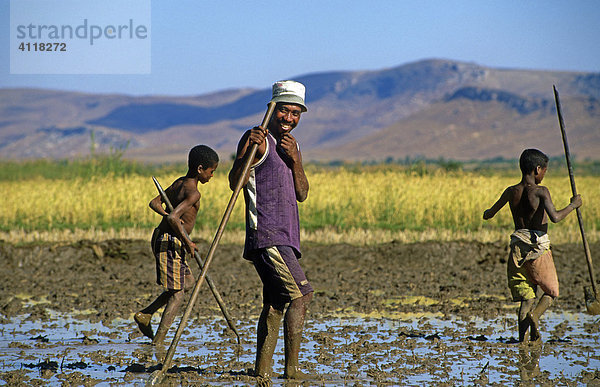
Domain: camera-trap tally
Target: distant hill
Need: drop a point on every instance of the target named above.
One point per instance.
(431, 108)
(474, 123)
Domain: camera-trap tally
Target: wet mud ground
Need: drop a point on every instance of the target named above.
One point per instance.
(409, 314)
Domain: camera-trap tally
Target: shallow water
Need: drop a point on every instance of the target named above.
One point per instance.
(412, 349)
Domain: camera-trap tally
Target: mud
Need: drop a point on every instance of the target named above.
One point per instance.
(104, 282)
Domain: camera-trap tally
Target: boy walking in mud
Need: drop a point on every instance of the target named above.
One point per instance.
(170, 243)
(530, 262)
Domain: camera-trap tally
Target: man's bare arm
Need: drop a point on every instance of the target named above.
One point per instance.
(300, 181)
(290, 147)
(493, 210)
(254, 136)
(554, 214)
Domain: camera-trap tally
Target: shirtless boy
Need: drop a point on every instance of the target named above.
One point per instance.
(170, 243)
(530, 262)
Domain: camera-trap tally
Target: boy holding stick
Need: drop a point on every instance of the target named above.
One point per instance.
(530, 262)
(170, 241)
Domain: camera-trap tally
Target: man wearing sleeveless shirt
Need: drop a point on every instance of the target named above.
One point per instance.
(273, 187)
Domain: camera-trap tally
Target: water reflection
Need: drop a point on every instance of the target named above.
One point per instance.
(528, 361)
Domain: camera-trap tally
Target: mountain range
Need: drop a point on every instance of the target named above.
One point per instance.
(432, 108)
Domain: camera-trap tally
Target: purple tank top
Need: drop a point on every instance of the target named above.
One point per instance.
(271, 207)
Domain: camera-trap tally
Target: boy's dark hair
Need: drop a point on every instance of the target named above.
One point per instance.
(530, 159)
(202, 155)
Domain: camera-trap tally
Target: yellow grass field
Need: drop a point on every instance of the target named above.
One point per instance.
(343, 206)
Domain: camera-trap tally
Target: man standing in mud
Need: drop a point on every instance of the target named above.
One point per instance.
(274, 185)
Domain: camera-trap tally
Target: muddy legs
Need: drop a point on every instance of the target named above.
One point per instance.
(292, 330)
(529, 317)
(268, 332)
(174, 302)
(143, 318)
(524, 309)
(534, 316)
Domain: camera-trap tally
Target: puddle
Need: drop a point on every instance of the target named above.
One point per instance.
(410, 350)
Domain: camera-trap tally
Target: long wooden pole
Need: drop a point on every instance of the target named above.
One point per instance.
(586, 246)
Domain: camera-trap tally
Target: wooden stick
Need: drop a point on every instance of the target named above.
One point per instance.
(586, 246)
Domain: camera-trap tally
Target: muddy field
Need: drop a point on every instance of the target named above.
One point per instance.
(100, 283)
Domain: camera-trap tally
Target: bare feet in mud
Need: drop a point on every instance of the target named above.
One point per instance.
(534, 328)
(290, 380)
(160, 352)
(143, 322)
(262, 381)
(158, 340)
(298, 376)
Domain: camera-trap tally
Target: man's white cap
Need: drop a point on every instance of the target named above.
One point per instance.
(290, 92)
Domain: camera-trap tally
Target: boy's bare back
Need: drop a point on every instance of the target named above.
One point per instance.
(527, 205)
(530, 203)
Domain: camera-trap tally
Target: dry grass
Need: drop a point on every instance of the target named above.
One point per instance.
(343, 206)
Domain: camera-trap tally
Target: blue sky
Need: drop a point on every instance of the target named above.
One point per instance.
(201, 46)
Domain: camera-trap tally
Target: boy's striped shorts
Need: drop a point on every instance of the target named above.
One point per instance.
(171, 266)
